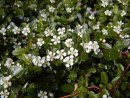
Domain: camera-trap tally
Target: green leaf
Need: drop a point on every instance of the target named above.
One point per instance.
(92, 95)
(115, 79)
(104, 78)
(19, 72)
(124, 85)
(111, 55)
(91, 69)
(26, 59)
(115, 9)
(106, 46)
(84, 56)
(12, 95)
(67, 88)
(19, 51)
(121, 44)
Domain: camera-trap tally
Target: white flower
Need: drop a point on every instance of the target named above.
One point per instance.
(40, 41)
(51, 9)
(68, 61)
(16, 30)
(3, 31)
(60, 54)
(91, 16)
(51, 94)
(42, 94)
(96, 27)
(48, 32)
(4, 94)
(45, 62)
(104, 3)
(123, 13)
(69, 42)
(4, 81)
(52, 1)
(120, 23)
(26, 30)
(56, 39)
(69, 10)
(104, 96)
(73, 52)
(61, 31)
(91, 46)
(117, 29)
(107, 12)
(44, 16)
(104, 31)
(36, 60)
(50, 56)
(9, 62)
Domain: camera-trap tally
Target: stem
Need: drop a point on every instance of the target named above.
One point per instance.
(118, 81)
(70, 95)
(94, 86)
(124, 52)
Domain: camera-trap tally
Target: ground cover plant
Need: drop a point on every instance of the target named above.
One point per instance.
(64, 48)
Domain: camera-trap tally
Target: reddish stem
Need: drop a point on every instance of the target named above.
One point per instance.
(118, 81)
(124, 52)
(70, 95)
(95, 87)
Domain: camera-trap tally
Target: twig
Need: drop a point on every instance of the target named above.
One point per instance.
(118, 81)
(70, 95)
(124, 52)
(94, 86)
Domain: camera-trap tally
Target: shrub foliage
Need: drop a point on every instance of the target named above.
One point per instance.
(64, 48)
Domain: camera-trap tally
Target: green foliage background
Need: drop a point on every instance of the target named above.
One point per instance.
(102, 70)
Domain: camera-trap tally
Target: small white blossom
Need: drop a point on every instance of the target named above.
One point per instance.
(40, 41)
(104, 3)
(56, 39)
(104, 31)
(117, 29)
(91, 17)
(26, 30)
(16, 30)
(52, 1)
(9, 62)
(120, 23)
(68, 62)
(4, 81)
(123, 13)
(42, 94)
(73, 52)
(61, 31)
(36, 60)
(3, 31)
(48, 32)
(50, 56)
(107, 12)
(51, 9)
(4, 94)
(91, 46)
(69, 42)
(97, 26)
(44, 16)
(69, 10)
(60, 54)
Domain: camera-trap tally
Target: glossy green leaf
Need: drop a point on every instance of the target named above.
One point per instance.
(19, 51)
(104, 78)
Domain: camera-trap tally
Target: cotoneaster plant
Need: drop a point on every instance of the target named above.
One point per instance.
(64, 48)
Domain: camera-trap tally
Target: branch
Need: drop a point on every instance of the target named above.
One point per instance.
(94, 86)
(70, 95)
(124, 52)
(118, 81)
